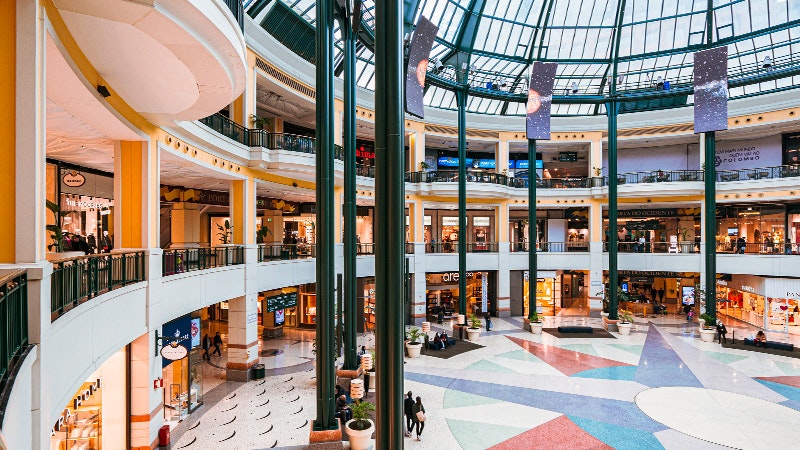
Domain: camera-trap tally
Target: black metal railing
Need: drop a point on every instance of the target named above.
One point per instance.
(13, 318)
(787, 171)
(76, 280)
(551, 247)
(658, 176)
(655, 247)
(760, 248)
(282, 252)
(367, 248)
(452, 247)
(182, 260)
(237, 8)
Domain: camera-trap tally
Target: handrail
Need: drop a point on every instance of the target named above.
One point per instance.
(283, 252)
(452, 247)
(552, 247)
(658, 176)
(76, 280)
(180, 260)
(13, 318)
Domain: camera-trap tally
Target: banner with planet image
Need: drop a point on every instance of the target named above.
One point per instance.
(540, 99)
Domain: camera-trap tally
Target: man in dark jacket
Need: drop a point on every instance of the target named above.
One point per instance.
(206, 347)
(217, 344)
(408, 406)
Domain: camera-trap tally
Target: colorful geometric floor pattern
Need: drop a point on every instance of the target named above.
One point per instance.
(525, 391)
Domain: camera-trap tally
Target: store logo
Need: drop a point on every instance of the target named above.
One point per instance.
(793, 294)
(77, 402)
(73, 179)
(749, 289)
(174, 350)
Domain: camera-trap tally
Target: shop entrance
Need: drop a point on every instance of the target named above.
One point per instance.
(442, 294)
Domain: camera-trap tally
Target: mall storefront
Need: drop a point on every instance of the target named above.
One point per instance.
(442, 293)
(97, 415)
(768, 303)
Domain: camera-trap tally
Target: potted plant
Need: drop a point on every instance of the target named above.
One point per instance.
(686, 245)
(707, 327)
(423, 166)
(536, 322)
(225, 231)
(260, 122)
(474, 330)
(414, 346)
(597, 179)
(625, 322)
(359, 429)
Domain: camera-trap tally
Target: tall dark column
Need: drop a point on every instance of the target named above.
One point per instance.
(461, 98)
(389, 222)
(710, 228)
(612, 108)
(349, 212)
(533, 270)
(325, 232)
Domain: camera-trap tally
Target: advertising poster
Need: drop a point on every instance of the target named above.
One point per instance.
(419, 50)
(687, 295)
(195, 332)
(711, 90)
(177, 340)
(280, 317)
(540, 98)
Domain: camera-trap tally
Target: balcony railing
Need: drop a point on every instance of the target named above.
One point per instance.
(658, 176)
(551, 247)
(759, 174)
(76, 280)
(757, 248)
(182, 260)
(13, 318)
(452, 247)
(282, 252)
(367, 248)
(237, 9)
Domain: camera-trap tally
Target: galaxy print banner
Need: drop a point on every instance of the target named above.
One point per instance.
(418, 53)
(540, 98)
(711, 90)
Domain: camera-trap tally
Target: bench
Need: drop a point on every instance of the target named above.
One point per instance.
(771, 344)
(574, 329)
(451, 341)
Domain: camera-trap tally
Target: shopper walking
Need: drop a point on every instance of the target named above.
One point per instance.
(206, 347)
(408, 409)
(217, 344)
(419, 417)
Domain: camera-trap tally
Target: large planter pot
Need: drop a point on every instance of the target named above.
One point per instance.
(359, 439)
(597, 181)
(707, 334)
(687, 246)
(413, 350)
(473, 334)
(536, 327)
(624, 328)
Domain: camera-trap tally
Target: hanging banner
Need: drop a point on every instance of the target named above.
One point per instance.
(711, 90)
(417, 68)
(179, 332)
(540, 98)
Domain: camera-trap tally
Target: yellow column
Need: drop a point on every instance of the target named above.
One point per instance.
(238, 113)
(416, 220)
(22, 148)
(501, 222)
(416, 144)
(596, 154)
(136, 194)
(338, 203)
(185, 225)
(243, 211)
(502, 153)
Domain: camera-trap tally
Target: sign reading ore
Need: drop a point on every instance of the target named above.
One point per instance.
(281, 301)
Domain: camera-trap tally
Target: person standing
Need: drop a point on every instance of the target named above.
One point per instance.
(217, 344)
(661, 295)
(418, 417)
(408, 409)
(722, 331)
(488, 318)
(206, 347)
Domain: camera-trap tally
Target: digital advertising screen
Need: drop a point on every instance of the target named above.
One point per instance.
(711, 90)
(687, 295)
(280, 317)
(418, 53)
(540, 98)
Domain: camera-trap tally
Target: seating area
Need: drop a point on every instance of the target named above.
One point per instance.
(771, 344)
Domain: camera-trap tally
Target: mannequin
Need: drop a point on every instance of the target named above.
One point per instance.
(106, 243)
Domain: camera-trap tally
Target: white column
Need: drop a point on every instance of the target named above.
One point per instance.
(597, 258)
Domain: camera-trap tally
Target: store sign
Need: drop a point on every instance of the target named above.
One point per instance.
(361, 153)
(73, 179)
(281, 301)
(749, 289)
(86, 392)
(178, 336)
(450, 277)
(450, 221)
(481, 221)
(542, 274)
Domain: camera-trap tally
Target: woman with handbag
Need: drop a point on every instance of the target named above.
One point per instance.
(419, 417)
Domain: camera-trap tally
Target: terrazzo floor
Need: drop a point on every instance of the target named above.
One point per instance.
(659, 387)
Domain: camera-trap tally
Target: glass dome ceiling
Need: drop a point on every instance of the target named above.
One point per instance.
(592, 40)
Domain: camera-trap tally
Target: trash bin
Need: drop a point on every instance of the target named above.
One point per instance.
(163, 436)
(258, 371)
(366, 382)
